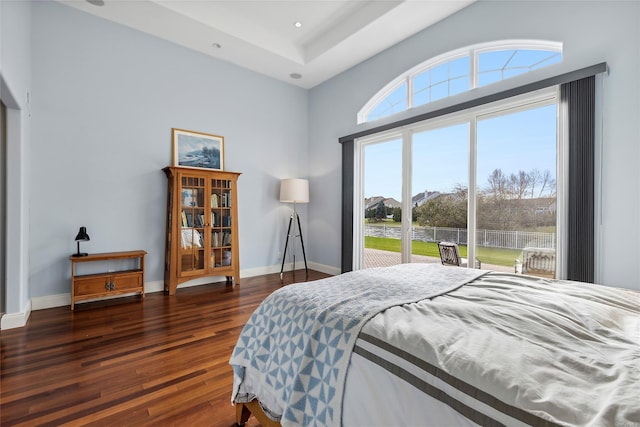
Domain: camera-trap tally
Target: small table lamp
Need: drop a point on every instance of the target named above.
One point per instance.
(82, 237)
(294, 190)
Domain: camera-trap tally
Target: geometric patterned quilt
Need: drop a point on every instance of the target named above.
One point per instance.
(299, 341)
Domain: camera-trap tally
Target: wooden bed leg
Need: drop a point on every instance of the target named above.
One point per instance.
(242, 414)
(245, 410)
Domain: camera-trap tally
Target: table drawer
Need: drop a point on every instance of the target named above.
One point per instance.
(100, 284)
(126, 281)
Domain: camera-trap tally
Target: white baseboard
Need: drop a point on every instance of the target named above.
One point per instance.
(156, 286)
(50, 301)
(327, 269)
(61, 300)
(252, 272)
(16, 320)
(261, 271)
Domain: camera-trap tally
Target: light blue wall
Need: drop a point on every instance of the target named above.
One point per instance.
(15, 83)
(105, 98)
(592, 32)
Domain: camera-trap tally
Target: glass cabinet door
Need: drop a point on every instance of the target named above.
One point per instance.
(192, 224)
(221, 240)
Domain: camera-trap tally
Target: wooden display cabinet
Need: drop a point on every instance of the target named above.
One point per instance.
(202, 226)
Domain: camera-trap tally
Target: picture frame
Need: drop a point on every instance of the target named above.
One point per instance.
(197, 150)
(188, 197)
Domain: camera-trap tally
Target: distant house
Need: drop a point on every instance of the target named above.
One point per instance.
(421, 198)
(417, 200)
(540, 205)
(372, 202)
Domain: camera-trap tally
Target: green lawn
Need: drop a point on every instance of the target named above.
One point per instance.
(493, 256)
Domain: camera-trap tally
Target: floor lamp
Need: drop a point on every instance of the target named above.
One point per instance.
(294, 191)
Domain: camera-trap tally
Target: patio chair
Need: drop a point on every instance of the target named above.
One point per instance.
(450, 255)
(539, 262)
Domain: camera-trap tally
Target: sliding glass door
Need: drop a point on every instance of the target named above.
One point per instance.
(439, 188)
(382, 201)
(516, 201)
(485, 179)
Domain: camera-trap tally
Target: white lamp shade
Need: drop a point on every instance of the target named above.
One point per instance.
(294, 190)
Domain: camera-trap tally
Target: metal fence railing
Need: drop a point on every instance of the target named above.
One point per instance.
(487, 238)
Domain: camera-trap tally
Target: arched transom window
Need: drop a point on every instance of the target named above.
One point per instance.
(459, 71)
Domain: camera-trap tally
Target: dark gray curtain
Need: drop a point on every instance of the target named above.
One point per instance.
(578, 99)
(347, 205)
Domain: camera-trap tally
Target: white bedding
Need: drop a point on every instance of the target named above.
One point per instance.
(566, 352)
(503, 350)
(375, 397)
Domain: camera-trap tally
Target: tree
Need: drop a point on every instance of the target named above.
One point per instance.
(506, 202)
(370, 213)
(381, 211)
(547, 181)
(497, 184)
(397, 214)
(493, 203)
(536, 178)
(519, 184)
(446, 210)
(414, 213)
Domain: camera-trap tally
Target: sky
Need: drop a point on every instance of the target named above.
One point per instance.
(524, 140)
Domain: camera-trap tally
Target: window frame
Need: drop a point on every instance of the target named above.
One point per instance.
(473, 51)
(536, 99)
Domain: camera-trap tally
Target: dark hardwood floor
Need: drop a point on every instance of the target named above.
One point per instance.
(161, 361)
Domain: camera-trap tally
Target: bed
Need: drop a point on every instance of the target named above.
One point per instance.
(424, 344)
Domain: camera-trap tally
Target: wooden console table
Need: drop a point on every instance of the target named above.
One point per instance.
(98, 285)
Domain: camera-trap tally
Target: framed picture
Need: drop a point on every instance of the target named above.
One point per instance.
(188, 197)
(197, 150)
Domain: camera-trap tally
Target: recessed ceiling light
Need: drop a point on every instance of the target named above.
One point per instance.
(216, 45)
(297, 24)
(295, 76)
(96, 2)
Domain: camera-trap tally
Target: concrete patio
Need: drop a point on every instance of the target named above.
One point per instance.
(379, 258)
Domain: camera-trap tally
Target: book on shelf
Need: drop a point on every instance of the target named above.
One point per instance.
(214, 200)
(226, 238)
(184, 219)
(189, 219)
(198, 220)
